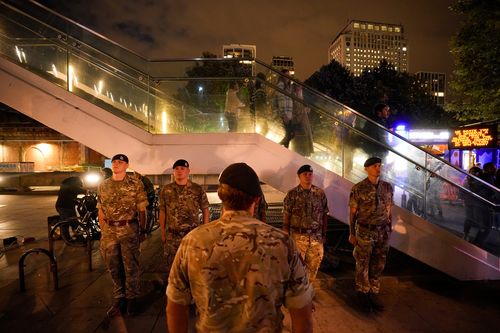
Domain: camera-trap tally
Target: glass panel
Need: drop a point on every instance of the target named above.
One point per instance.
(125, 99)
(230, 95)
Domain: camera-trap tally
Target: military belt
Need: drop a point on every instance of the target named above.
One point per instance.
(119, 223)
(372, 226)
(179, 233)
(303, 230)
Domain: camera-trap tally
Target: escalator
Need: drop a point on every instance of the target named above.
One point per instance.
(112, 100)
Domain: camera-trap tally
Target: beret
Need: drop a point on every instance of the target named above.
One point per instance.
(120, 157)
(372, 161)
(305, 168)
(182, 163)
(242, 177)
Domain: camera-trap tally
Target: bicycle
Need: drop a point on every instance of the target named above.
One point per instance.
(86, 224)
(153, 214)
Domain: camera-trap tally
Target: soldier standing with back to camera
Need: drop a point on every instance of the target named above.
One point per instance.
(305, 218)
(122, 203)
(370, 218)
(237, 270)
(180, 205)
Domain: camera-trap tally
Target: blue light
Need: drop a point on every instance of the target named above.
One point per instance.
(200, 89)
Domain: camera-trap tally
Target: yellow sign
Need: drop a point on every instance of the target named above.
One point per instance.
(484, 137)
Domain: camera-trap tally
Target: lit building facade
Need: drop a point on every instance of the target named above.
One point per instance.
(435, 84)
(283, 62)
(239, 51)
(363, 44)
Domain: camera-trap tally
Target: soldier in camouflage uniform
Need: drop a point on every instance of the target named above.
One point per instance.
(122, 203)
(180, 205)
(305, 211)
(238, 270)
(370, 204)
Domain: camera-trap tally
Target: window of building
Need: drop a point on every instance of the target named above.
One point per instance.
(363, 26)
(356, 25)
(397, 29)
(370, 26)
(384, 28)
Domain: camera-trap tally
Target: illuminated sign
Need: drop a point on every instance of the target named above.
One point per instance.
(474, 137)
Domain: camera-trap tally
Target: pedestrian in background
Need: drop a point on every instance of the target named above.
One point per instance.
(370, 203)
(283, 106)
(238, 271)
(233, 106)
(122, 204)
(305, 213)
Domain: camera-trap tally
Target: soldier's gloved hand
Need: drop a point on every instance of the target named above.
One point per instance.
(353, 240)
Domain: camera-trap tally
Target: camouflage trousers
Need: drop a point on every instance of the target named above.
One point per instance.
(370, 253)
(170, 248)
(311, 251)
(120, 249)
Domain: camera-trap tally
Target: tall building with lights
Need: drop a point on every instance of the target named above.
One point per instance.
(239, 51)
(435, 84)
(363, 44)
(283, 62)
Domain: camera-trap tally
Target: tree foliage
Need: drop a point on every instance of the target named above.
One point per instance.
(205, 93)
(409, 102)
(476, 51)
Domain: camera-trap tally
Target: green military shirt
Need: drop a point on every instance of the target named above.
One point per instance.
(374, 203)
(182, 205)
(121, 200)
(239, 271)
(306, 209)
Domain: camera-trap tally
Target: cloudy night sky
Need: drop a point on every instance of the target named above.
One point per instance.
(162, 29)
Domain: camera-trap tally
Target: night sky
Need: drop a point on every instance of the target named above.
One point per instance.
(162, 29)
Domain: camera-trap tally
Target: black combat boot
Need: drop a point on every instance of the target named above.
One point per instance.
(375, 302)
(364, 301)
(131, 307)
(117, 307)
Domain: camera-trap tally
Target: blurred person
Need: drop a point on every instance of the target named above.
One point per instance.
(472, 206)
(233, 106)
(283, 106)
(66, 203)
(106, 173)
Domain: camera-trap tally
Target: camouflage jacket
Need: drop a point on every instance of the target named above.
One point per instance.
(121, 200)
(182, 205)
(306, 209)
(374, 203)
(239, 271)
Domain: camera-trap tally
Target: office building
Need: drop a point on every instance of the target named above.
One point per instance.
(283, 62)
(435, 84)
(239, 51)
(363, 44)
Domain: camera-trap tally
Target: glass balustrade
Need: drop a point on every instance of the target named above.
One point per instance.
(242, 96)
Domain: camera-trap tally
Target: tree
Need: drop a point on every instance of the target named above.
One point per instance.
(476, 51)
(209, 94)
(405, 95)
(335, 81)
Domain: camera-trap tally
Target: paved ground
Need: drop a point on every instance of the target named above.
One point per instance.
(417, 298)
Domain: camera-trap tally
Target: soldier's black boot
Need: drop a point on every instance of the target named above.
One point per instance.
(364, 301)
(375, 302)
(117, 306)
(131, 307)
